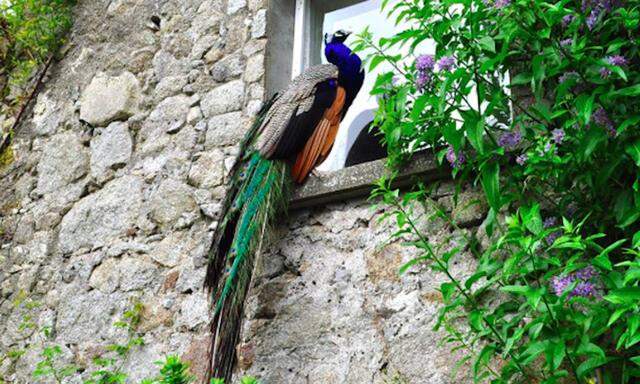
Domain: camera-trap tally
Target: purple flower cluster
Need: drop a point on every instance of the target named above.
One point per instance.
(558, 136)
(548, 147)
(592, 19)
(550, 222)
(425, 63)
(424, 66)
(522, 159)
(568, 19)
(585, 286)
(446, 63)
(499, 4)
(566, 42)
(422, 80)
(456, 160)
(598, 8)
(602, 119)
(510, 140)
(616, 60)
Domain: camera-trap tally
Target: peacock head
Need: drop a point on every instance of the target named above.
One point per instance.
(338, 54)
(338, 37)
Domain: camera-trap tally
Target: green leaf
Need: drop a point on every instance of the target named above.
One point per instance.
(590, 364)
(521, 79)
(487, 44)
(475, 319)
(447, 290)
(453, 136)
(633, 150)
(555, 354)
(627, 295)
(418, 106)
(584, 105)
(616, 315)
(490, 179)
(633, 90)
(375, 62)
(603, 262)
(532, 219)
(475, 128)
(534, 350)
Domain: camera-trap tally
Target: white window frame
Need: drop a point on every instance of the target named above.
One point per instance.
(304, 47)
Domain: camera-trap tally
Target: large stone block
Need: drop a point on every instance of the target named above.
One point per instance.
(208, 171)
(86, 316)
(63, 161)
(228, 68)
(225, 129)
(194, 311)
(259, 24)
(107, 99)
(223, 99)
(255, 68)
(235, 5)
(102, 216)
(110, 148)
(171, 200)
(167, 118)
(173, 249)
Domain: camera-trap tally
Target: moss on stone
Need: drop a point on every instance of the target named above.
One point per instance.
(6, 157)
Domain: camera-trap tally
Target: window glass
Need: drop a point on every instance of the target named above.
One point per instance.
(327, 17)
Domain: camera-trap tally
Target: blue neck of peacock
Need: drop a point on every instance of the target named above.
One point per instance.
(351, 75)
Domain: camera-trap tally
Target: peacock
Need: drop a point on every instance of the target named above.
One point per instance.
(292, 134)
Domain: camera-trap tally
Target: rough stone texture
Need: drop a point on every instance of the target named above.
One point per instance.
(223, 99)
(102, 216)
(109, 98)
(110, 149)
(63, 161)
(170, 201)
(97, 216)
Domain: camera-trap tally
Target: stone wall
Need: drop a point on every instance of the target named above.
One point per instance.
(117, 178)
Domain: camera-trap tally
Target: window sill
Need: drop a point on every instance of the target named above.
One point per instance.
(357, 181)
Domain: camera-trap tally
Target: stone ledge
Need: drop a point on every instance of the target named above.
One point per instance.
(357, 181)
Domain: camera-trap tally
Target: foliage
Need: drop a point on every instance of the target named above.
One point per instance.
(30, 31)
(172, 371)
(535, 103)
(111, 367)
(52, 368)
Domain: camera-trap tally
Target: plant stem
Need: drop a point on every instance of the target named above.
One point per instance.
(445, 269)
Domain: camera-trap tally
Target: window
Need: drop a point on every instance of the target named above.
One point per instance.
(295, 30)
(313, 20)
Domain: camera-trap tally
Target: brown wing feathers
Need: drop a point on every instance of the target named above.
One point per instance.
(319, 144)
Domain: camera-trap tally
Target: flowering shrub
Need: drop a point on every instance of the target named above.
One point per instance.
(536, 103)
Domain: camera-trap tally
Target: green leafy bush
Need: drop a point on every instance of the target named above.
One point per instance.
(535, 103)
(30, 31)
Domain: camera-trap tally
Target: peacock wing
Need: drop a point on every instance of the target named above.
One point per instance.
(291, 120)
(321, 139)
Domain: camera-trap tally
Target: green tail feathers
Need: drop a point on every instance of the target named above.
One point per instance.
(261, 196)
(258, 191)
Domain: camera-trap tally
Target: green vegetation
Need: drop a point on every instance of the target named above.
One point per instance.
(30, 32)
(535, 103)
(110, 367)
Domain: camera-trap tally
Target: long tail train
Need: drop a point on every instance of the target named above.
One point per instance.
(259, 189)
